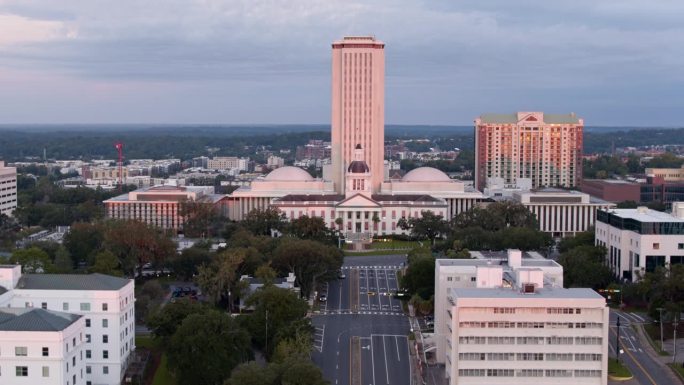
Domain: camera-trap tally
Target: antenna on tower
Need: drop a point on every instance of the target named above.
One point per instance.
(119, 149)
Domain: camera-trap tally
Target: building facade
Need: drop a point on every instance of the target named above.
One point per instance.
(161, 206)
(638, 241)
(562, 212)
(356, 195)
(41, 347)
(547, 148)
(228, 163)
(106, 306)
(8, 189)
(358, 106)
(513, 323)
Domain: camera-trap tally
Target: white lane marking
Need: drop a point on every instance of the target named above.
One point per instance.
(372, 359)
(377, 288)
(339, 308)
(396, 341)
(384, 351)
(638, 316)
(408, 354)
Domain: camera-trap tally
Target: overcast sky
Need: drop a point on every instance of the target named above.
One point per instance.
(613, 62)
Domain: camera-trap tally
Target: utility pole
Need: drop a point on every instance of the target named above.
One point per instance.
(675, 323)
(660, 310)
(266, 348)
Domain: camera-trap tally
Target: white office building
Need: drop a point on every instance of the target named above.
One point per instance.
(41, 347)
(639, 240)
(107, 322)
(8, 189)
(511, 322)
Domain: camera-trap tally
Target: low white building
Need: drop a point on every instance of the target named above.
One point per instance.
(105, 303)
(40, 346)
(511, 322)
(8, 189)
(639, 240)
(562, 212)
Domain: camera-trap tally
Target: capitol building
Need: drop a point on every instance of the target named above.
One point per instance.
(355, 194)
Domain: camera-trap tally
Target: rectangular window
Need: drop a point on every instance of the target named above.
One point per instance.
(46, 371)
(88, 338)
(105, 370)
(65, 306)
(46, 352)
(87, 322)
(105, 323)
(20, 351)
(88, 354)
(105, 354)
(656, 246)
(43, 305)
(85, 306)
(105, 306)
(105, 339)
(22, 371)
(89, 369)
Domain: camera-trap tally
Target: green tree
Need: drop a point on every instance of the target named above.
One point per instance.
(301, 372)
(32, 260)
(219, 279)
(585, 238)
(583, 266)
(263, 222)
(83, 241)
(200, 218)
(63, 261)
(664, 288)
(186, 264)
(135, 243)
(310, 261)
(266, 274)
(427, 226)
(251, 373)
(420, 277)
(106, 263)
(165, 321)
(207, 347)
(306, 227)
(284, 309)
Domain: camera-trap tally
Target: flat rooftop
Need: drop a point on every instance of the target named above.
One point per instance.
(545, 292)
(94, 281)
(647, 215)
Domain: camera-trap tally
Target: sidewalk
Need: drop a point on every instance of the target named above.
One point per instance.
(662, 361)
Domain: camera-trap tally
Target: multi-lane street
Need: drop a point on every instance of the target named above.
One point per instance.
(361, 331)
(644, 368)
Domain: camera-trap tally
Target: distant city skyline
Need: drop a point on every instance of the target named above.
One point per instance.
(615, 63)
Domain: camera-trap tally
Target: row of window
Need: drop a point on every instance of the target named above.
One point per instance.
(527, 373)
(529, 357)
(531, 325)
(555, 340)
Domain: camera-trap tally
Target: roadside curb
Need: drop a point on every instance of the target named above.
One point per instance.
(648, 348)
(619, 379)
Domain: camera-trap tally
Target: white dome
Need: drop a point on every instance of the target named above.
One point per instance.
(425, 174)
(289, 174)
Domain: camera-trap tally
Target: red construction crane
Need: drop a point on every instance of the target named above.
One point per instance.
(119, 148)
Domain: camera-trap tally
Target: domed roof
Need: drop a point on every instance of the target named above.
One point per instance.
(358, 167)
(425, 174)
(289, 173)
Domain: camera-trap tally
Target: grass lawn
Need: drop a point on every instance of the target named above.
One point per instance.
(616, 369)
(678, 368)
(163, 376)
(373, 252)
(394, 244)
(653, 333)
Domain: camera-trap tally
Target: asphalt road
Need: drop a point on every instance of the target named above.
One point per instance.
(634, 356)
(360, 306)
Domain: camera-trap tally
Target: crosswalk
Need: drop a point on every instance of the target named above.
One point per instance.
(386, 267)
(318, 338)
(347, 312)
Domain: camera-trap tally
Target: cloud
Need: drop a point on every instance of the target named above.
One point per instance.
(458, 52)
